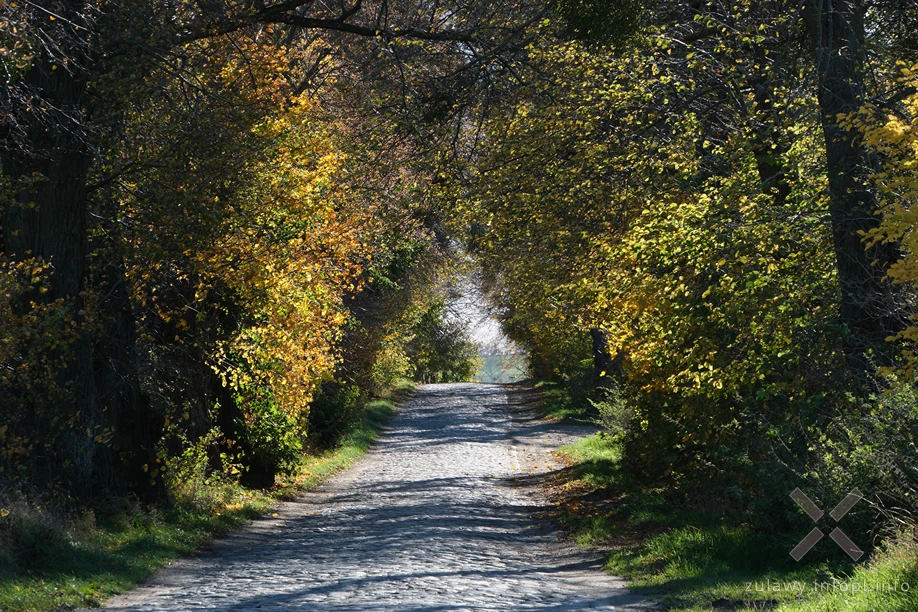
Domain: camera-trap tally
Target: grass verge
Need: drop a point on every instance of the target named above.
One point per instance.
(316, 468)
(560, 404)
(78, 563)
(694, 560)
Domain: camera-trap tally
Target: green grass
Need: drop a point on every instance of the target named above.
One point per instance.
(696, 560)
(82, 562)
(317, 468)
(558, 402)
(81, 569)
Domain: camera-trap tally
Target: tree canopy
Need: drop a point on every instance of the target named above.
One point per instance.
(222, 224)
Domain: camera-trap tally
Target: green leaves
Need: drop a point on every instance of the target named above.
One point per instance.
(606, 22)
(618, 199)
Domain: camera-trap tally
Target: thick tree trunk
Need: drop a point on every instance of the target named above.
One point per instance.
(868, 303)
(136, 426)
(48, 161)
(48, 217)
(101, 432)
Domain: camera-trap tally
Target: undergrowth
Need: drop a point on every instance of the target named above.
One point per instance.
(694, 557)
(49, 561)
(565, 403)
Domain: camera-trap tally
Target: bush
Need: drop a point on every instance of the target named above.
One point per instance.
(31, 536)
(615, 413)
(442, 350)
(873, 447)
(271, 435)
(335, 409)
(192, 480)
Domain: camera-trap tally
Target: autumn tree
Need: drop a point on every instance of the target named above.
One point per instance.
(678, 193)
(69, 118)
(765, 42)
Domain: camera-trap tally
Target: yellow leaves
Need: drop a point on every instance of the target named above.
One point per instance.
(575, 249)
(895, 138)
(251, 258)
(293, 286)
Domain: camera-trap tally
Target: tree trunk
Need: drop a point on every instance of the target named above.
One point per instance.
(48, 161)
(603, 363)
(137, 427)
(101, 432)
(868, 303)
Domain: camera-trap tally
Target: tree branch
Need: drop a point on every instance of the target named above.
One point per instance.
(287, 13)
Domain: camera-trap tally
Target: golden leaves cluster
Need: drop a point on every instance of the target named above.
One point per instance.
(616, 206)
(244, 238)
(892, 133)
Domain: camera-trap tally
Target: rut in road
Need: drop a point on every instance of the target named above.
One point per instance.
(430, 519)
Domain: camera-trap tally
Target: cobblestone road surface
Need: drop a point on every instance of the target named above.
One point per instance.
(433, 518)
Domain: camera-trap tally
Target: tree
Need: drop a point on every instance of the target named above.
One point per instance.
(67, 111)
(870, 304)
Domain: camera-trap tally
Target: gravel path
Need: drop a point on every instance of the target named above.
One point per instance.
(433, 518)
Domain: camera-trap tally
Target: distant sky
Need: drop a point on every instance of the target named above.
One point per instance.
(470, 307)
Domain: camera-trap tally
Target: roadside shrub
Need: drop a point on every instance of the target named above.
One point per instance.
(391, 361)
(874, 447)
(335, 408)
(271, 435)
(615, 412)
(31, 535)
(442, 350)
(203, 476)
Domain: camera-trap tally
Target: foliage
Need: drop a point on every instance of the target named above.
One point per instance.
(191, 479)
(335, 408)
(237, 225)
(441, 350)
(615, 415)
(601, 21)
(714, 293)
(56, 562)
(696, 558)
(37, 339)
(872, 449)
(259, 287)
(207, 192)
(890, 134)
(223, 229)
(679, 198)
(272, 434)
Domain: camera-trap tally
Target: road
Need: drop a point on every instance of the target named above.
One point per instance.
(434, 518)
